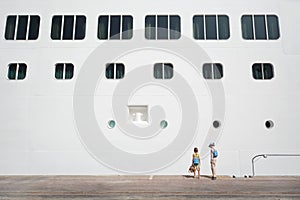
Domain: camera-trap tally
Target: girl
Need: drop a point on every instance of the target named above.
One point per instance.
(196, 162)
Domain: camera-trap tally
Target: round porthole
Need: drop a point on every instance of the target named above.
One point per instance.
(216, 124)
(163, 124)
(269, 124)
(111, 123)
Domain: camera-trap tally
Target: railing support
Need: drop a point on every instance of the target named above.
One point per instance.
(269, 155)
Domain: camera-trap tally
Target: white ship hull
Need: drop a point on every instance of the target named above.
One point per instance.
(42, 119)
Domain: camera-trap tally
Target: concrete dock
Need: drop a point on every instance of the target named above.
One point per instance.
(147, 187)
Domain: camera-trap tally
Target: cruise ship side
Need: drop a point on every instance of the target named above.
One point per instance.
(131, 87)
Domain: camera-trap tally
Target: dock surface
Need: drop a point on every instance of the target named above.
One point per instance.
(147, 187)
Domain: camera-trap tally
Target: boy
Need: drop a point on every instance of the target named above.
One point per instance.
(213, 160)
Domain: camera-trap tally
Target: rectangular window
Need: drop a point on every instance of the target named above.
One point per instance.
(257, 71)
(150, 27)
(273, 27)
(69, 70)
(10, 27)
(223, 27)
(116, 26)
(16, 71)
(127, 26)
(207, 71)
(22, 27)
(56, 27)
(218, 70)
(212, 71)
(34, 26)
(158, 71)
(162, 27)
(80, 27)
(110, 71)
(12, 71)
(22, 71)
(175, 27)
(211, 27)
(198, 27)
(268, 71)
(103, 27)
(120, 70)
(168, 70)
(260, 27)
(64, 71)
(59, 71)
(262, 71)
(115, 71)
(68, 27)
(163, 71)
(247, 27)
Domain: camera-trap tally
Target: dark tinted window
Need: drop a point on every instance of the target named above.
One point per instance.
(198, 27)
(80, 27)
(207, 71)
(10, 27)
(68, 27)
(223, 27)
(34, 27)
(175, 31)
(22, 71)
(69, 71)
(103, 27)
(167, 27)
(268, 71)
(59, 71)
(212, 71)
(163, 71)
(111, 68)
(218, 71)
(257, 71)
(64, 71)
(211, 27)
(12, 71)
(273, 27)
(110, 71)
(247, 27)
(150, 27)
(262, 71)
(56, 28)
(168, 71)
(16, 71)
(27, 28)
(162, 27)
(127, 26)
(120, 70)
(260, 27)
(117, 26)
(266, 27)
(158, 70)
(22, 27)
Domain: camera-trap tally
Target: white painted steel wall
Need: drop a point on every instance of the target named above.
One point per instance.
(37, 129)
